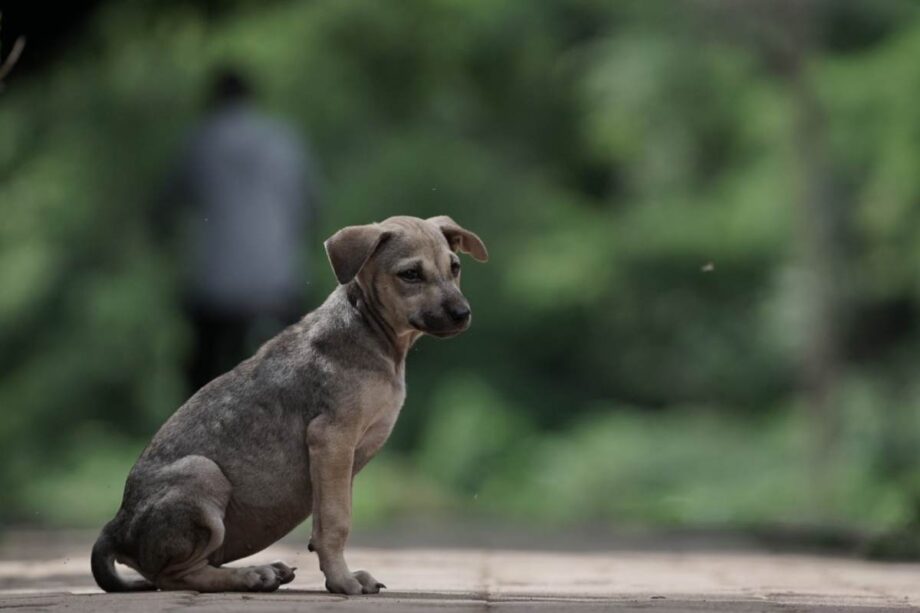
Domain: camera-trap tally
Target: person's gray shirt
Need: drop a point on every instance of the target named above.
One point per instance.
(248, 181)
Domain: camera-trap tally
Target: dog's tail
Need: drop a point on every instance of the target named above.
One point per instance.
(102, 562)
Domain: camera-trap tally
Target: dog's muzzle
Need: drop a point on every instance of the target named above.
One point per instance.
(454, 319)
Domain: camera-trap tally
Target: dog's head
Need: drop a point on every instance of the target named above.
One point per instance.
(408, 268)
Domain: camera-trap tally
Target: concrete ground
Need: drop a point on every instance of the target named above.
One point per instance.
(41, 571)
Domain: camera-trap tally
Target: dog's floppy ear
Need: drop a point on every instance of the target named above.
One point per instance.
(350, 248)
(461, 239)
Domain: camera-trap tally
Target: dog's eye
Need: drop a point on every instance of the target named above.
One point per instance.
(412, 275)
(455, 268)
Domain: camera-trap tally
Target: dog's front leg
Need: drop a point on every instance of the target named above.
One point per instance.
(332, 451)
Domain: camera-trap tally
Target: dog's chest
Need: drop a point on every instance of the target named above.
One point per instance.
(380, 401)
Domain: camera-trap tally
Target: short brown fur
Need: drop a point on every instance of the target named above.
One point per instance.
(281, 436)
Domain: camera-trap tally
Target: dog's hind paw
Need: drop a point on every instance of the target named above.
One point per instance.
(285, 572)
(268, 578)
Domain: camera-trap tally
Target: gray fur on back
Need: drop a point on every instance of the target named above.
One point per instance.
(250, 422)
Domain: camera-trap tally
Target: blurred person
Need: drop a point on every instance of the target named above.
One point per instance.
(248, 196)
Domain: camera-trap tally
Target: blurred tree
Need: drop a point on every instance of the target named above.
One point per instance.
(785, 33)
(823, 223)
(653, 180)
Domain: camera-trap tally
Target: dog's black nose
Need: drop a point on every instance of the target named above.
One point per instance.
(459, 313)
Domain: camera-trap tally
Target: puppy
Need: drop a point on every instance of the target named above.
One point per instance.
(253, 453)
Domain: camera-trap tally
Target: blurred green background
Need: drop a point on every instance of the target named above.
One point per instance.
(703, 303)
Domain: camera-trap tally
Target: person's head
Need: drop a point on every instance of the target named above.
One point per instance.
(228, 86)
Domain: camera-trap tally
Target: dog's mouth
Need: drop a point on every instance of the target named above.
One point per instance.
(437, 328)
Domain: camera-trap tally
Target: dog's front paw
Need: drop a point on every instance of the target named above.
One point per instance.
(369, 585)
(360, 582)
(346, 584)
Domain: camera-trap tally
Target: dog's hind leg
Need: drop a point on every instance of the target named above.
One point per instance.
(205, 578)
(185, 525)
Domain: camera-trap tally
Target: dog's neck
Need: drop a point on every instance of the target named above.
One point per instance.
(396, 342)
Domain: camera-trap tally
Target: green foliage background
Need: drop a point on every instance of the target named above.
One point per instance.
(631, 166)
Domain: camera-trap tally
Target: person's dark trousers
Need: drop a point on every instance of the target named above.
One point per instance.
(222, 340)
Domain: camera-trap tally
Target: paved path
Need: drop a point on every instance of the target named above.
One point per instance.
(53, 574)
